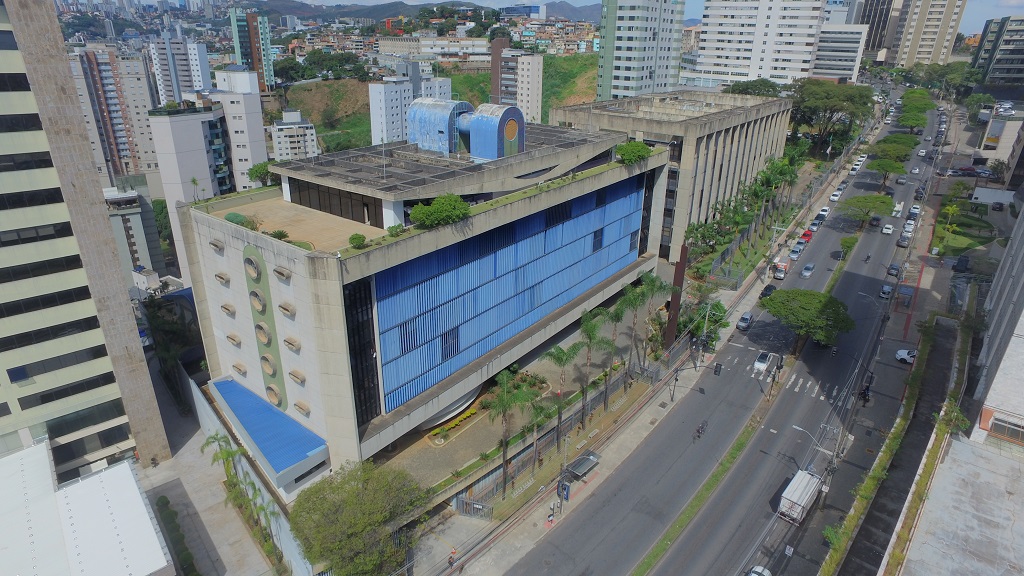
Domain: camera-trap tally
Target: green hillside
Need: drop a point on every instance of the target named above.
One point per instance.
(568, 80)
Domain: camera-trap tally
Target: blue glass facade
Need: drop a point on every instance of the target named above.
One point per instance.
(441, 311)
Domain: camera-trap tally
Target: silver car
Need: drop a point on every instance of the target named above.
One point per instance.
(746, 321)
(807, 271)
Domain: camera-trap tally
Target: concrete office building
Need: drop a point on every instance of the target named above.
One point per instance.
(743, 40)
(238, 79)
(517, 79)
(1000, 53)
(251, 35)
(718, 142)
(881, 17)
(640, 47)
(843, 11)
(180, 67)
(73, 364)
(1001, 360)
(839, 52)
(355, 348)
(205, 149)
(135, 232)
(294, 137)
(115, 91)
(102, 524)
(390, 100)
(925, 32)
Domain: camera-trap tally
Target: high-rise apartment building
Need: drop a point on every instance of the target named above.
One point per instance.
(205, 148)
(73, 366)
(1000, 54)
(114, 88)
(839, 51)
(881, 17)
(745, 40)
(391, 98)
(517, 79)
(180, 67)
(925, 32)
(251, 33)
(640, 47)
(294, 137)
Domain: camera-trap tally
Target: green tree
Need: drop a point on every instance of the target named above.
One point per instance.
(885, 167)
(655, 288)
(614, 315)
(349, 519)
(998, 167)
(507, 400)
(827, 106)
(163, 220)
(498, 32)
(261, 172)
(633, 299)
(950, 211)
(561, 357)
(894, 152)
(633, 152)
(593, 341)
(913, 120)
(225, 453)
(809, 313)
(862, 208)
(289, 70)
(759, 87)
(975, 102)
(445, 209)
(905, 140)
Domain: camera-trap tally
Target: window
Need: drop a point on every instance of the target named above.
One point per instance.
(49, 333)
(35, 303)
(598, 240)
(7, 41)
(1008, 430)
(30, 198)
(61, 392)
(33, 369)
(12, 82)
(40, 268)
(20, 122)
(26, 161)
(35, 234)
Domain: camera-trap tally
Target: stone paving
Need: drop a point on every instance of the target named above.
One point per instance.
(215, 534)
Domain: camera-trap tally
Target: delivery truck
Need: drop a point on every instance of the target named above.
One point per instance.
(799, 497)
(781, 268)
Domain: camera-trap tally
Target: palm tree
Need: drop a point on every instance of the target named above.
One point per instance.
(613, 315)
(507, 399)
(225, 453)
(538, 412)
(590, 330)
(655, 288)
(633, 300)
(561, 357)
(266, 512)
(195, 188)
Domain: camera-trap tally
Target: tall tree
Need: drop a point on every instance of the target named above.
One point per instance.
(590, 331)
(759, 87)
(886, 167)
(827, 106)
(655, 288)
(351, 520)
(633, 299)
(507, 399)
(561, 357)
(862, 208)
(809, 313)
(913, 120)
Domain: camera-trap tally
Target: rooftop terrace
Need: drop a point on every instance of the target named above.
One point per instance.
(402, 171)
(679, 106)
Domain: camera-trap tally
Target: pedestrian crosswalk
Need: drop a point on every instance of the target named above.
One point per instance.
(806, 386)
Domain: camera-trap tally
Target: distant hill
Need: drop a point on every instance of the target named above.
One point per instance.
(589, 13)
(377, 12)
(691, 22)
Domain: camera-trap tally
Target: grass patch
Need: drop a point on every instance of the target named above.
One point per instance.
(353, 132)
(957, 244)
(473, 88)
(697, 502)
(562, 75)
(969, 220)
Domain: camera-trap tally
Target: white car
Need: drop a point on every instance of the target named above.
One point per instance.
(908, 228)
(862, 157)
(927, 138)
(915, 170)
(824, 212)
(761, 364)
(835, 196)
(906, 356)
(915, 209)
(887, 229)
(922, 152)
(888, 119)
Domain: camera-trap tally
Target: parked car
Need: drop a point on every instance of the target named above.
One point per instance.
(887, 229)
(919, 195)
(814, 226)
(886, 292)
(835, 196)
(893, 270)
(915, 209)
(807, 271)
(807, 235)
(954, 173)
(903, 241)
(963, 264)
(998, 206)
(875, 221)
(967, 169)
(908, 227)
(824, 212)
(901, 180)
(794, 254)
(761, 364)
(906, 356)
(746, 321)
(767, 291)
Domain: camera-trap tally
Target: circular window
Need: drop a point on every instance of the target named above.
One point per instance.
(511, 130)
(252, 269)
(263, 333)
(257, 301)
(273, 395)
(268, 365)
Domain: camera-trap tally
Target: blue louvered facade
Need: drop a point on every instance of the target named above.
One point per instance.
(439, 312)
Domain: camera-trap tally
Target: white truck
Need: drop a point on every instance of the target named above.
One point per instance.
(781, 268)
(799, 496)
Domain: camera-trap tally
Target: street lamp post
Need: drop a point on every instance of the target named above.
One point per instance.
(831, 468)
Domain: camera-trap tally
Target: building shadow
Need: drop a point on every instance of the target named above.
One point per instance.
(197, 537)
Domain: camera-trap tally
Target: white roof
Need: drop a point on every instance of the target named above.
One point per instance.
(98, 525)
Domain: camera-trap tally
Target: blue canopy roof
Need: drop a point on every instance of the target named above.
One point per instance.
(283, 442)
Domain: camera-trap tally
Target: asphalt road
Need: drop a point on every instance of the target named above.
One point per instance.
(738, 528)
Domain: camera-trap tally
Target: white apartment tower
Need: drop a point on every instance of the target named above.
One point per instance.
(73, 368)
(294, 137)
(390, 100)
(517, 79)
(180, 67)
(925, 32)
(749, 39)
(640, 47)
(839, 51)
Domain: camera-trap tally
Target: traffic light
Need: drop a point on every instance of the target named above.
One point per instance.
(718, 368)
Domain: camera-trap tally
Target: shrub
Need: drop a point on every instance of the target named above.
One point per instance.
(396, 230)
(186, 558)
(358, 241)
(269, 549)
(236, 218)
(177, 538)
(279, 234)
(633, 152)
(445, 209)
(168, 516)
(162, 502)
